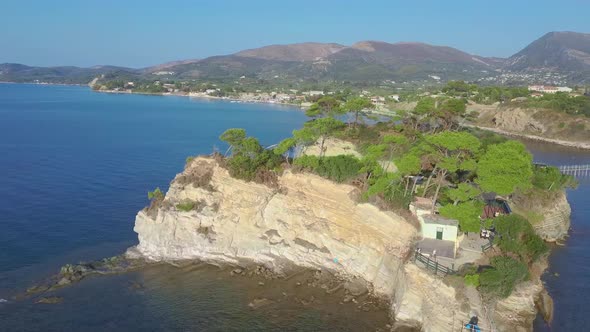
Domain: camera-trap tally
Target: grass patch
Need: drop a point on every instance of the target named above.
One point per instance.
(186, 206)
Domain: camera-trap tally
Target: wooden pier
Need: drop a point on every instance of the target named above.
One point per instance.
(576, 170)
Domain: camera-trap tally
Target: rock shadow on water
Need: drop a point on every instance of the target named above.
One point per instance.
(294, 297)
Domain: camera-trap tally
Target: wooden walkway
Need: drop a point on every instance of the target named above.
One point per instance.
(575, 170)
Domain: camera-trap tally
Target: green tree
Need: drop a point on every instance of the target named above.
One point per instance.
(357, 105)
(463, 193)
(233, 137)
(466, 213)
(325, 106)
(450, 111)
(426, 107)
(284, 147)
(451, 152)
(318, 129)
(504, 168)
(409, 165)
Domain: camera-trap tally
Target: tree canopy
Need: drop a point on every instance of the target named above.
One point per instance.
(504, 168)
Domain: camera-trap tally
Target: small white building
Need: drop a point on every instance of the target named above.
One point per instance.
(549, 88)
(313, 93)
(439, 234)
(437, 227)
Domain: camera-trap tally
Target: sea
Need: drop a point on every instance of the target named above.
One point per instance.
(76, 166)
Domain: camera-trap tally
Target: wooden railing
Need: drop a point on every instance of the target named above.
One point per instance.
(433, 265)
(575, 170)
(487, 246)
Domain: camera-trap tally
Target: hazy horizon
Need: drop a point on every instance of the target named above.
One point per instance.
(141, 34)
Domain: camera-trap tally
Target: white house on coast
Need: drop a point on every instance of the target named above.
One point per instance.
(549, 89)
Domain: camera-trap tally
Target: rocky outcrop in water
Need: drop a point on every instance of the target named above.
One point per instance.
(305, 220)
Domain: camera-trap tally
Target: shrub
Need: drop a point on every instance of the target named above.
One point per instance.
(306, 162)
(156, 195)
(394, 195)
(186, 206)
(500, 280)
(550, 178)
(245, 167)
(472, 280)
(339, 168)
(516, 235)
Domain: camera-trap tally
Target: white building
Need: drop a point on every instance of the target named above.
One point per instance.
(549, 88)
(313, 93)
(437, 227)
(439, 234)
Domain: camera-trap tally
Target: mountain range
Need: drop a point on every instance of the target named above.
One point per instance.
(565, 54)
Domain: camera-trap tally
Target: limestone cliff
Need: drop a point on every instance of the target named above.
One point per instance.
(556, 219)
(305, 220)
(550, 216)
(308, 221)
(535, 124)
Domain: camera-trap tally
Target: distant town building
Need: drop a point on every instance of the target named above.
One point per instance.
(549, 88)
(394, 97)
(314, 93)
(378, 100)
(160, 73)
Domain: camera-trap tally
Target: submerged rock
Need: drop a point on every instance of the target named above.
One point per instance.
(73, 273)
(259, 303)
(50, 300)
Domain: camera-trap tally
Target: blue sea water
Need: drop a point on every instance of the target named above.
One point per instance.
(569, 265)
(75, 167)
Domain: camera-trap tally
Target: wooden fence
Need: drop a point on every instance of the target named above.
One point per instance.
(433, 265)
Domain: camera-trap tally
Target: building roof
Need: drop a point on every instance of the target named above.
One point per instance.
(423, 203)
(439, 220)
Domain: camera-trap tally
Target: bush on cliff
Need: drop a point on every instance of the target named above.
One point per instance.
(517, 236)
(505, 274)
(339, 168)
(248, 157)
(245, 167)
(551, 179)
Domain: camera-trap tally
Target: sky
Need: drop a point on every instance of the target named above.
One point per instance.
(137, 34)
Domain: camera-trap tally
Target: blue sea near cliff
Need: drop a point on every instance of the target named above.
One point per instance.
(75, 167)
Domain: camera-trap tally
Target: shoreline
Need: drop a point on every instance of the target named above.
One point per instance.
(205, 97)
(570, 144)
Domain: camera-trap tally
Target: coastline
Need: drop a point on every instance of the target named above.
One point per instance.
(205, 97)
(571, 144)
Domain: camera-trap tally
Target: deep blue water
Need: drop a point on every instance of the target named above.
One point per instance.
(75, 167)
(570, 288)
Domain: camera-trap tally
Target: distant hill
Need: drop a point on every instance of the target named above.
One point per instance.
(567, 52)
(292, 52)
(12, 72)
(564, 53)
(363, 61)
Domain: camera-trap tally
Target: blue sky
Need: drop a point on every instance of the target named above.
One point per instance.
(141, 33)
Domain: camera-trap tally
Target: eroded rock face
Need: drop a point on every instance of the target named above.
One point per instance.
(518, 311)
(311, 222)
(425, 303)
(556, 222)
(307, 221)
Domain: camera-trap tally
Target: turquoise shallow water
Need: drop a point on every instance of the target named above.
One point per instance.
(75, 167)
